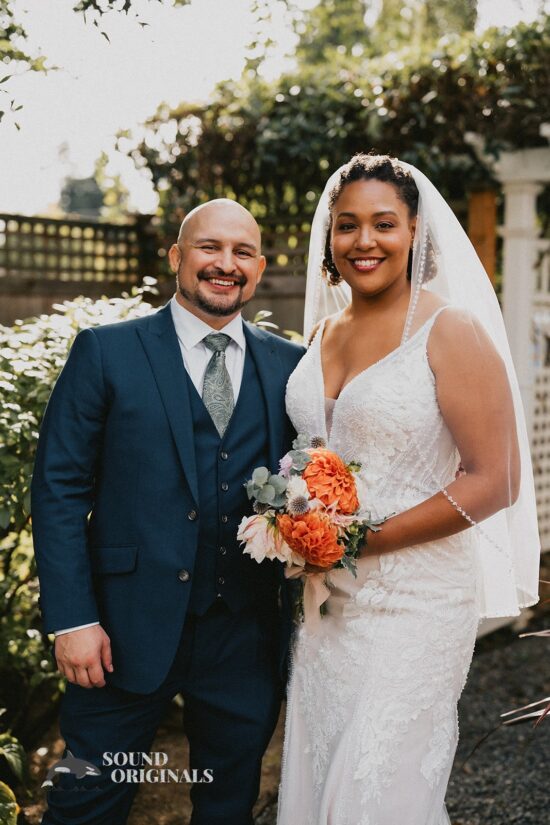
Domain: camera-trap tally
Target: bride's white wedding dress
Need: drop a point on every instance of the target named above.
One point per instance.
(371, 719)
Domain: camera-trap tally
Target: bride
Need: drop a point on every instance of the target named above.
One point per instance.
(412, 377)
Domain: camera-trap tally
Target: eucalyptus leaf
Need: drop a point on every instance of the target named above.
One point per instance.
(260, 476)
(278, 483)
(251, 489)
(266, 494)
(300, 459)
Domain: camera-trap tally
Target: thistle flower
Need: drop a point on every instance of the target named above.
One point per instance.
(297, 506)
(318, 443)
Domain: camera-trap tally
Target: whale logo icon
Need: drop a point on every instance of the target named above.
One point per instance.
(70, 764)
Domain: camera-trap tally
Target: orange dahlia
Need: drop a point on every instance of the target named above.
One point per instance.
(329, 480)
(312, 536)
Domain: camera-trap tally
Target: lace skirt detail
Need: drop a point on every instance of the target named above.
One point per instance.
(371, 720)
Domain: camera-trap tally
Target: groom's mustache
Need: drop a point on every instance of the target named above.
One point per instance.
(206, 274)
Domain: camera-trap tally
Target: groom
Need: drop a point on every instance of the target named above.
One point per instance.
(150, 433)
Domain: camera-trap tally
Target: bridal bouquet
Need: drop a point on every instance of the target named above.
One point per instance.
(307, 512)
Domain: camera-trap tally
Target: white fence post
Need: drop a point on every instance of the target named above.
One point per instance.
(518, 289)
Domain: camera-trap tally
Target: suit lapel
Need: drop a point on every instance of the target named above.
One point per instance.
(273, 381)
(161, 345)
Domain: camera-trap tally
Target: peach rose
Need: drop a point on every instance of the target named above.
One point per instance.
(312, 536)
(329, 480)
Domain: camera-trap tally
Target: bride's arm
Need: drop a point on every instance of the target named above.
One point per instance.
(476, 403)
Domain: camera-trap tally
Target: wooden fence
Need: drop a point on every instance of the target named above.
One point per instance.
(44, 261)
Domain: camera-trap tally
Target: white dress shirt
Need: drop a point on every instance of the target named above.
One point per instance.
(196, 355)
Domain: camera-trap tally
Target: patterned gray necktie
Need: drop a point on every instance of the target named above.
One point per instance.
(217, 390)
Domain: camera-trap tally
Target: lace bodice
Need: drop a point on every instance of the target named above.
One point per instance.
(387, 418)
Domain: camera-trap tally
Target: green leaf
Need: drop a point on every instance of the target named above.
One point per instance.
(266, 495)
(13, 752)
(261, 316)
(294, 336)
(278, 483)
(9, 808)
(349, 564)
(300, 460)
(5, 518)
(251, 489)
(260, 476)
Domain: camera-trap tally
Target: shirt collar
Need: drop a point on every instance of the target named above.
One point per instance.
(191, 330)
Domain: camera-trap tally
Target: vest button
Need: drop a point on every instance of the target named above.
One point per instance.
(224, 456)
(223, 551)
(184, 575)
(192, 515)
(225, 519)
(225, 486)
(221, 580)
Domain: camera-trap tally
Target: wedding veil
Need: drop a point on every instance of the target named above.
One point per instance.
(445, 263)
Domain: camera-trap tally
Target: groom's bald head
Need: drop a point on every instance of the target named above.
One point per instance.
(218, 260)
(221, 210)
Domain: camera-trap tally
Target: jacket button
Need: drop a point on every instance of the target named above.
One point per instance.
(224, 456)
(225, 486)
(225, 519)
(192, 515)
(223, 551)
(184, 575)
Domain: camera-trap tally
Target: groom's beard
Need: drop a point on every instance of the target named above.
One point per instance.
(209, 305)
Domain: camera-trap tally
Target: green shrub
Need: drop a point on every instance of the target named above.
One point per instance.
(32, 354)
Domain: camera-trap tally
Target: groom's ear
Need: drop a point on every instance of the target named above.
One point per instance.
(174, 257)
(262, 263)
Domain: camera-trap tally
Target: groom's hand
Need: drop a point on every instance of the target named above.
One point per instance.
(83, 654)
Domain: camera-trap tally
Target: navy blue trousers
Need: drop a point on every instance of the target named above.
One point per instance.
(226, 668)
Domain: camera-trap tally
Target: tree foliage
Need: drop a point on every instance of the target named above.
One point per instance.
(272, 145)
(414, 23)
(16, 55)
(13, 53)
(331, 26)
(349, 26)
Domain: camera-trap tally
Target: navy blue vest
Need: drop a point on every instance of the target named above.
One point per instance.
(223, 466)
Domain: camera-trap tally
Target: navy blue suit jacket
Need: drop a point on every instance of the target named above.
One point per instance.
(115, 489)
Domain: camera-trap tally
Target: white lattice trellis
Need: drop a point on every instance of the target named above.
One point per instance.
(541, 406)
